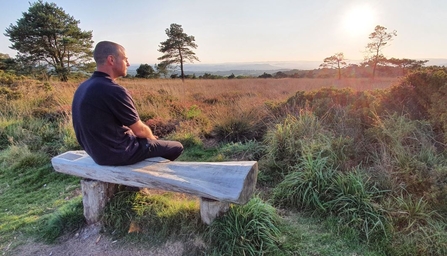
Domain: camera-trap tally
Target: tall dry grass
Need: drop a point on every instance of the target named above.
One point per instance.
(212, 95)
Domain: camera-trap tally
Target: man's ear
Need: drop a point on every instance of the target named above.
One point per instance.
(110, 59)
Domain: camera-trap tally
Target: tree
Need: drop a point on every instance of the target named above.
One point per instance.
(47, 35)
(162, 68)
(407, 64)
(146, 71)
(335, 61)
(379, 39)
(176, 48)
(280, 74)
(265, 75)
(3, 59)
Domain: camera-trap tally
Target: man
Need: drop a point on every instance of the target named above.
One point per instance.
(105, 120)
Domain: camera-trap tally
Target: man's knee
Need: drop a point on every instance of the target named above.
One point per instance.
(177, 150)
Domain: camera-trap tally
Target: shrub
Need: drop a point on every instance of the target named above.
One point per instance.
(418, 229)
(413, 96)
(251, 229)
(294, 138)
(238, 125)
(7, 79)
(404, 151)
(355, 201)
(187, 139)
(160, 127)
(306, 185)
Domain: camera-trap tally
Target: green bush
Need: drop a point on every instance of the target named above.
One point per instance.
(294, 138)
(7, 79)
(251, 229)
(418, 230)
(413, 96)
(405, 155)
(10, 94)
(305, 187)
(356, 203)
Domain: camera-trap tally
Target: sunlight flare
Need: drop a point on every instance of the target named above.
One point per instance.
(359, 20)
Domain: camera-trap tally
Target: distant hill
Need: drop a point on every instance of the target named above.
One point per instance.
(436, 62)
(258, 68)
(270, 65)
(242, 68)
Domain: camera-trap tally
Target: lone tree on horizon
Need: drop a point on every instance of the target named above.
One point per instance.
(176, 48)
(47, 35)
(335, 61)
(380, 38)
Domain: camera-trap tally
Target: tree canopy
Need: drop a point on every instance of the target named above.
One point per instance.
(177, 48)
(146, 71)
(407, 64)
(379, 39)
(48, 36)
(335, 61)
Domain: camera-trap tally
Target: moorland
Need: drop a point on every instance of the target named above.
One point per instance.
(346, 167)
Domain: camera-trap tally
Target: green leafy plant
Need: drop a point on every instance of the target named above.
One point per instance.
(294, 138)
(251, 229)
(306, 185)
(355, 202)
(419, 230)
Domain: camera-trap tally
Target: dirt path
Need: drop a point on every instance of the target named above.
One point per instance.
(89, 242)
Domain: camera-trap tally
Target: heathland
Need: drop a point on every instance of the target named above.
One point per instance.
(346, 167)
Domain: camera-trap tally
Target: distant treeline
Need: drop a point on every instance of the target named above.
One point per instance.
(352, 71)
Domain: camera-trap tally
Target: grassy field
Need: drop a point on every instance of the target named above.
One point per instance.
(347, 167)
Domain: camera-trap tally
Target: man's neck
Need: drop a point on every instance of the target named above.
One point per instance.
(108, 71)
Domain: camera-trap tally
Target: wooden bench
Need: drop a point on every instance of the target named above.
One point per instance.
(216, 183)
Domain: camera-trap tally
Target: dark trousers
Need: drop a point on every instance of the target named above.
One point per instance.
(163, 148)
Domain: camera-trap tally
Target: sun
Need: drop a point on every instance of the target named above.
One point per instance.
(359, 20)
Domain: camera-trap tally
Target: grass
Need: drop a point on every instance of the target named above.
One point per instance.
(154, 216)
(251, 229)
(309, 235)
(31, 192)
(305, 186)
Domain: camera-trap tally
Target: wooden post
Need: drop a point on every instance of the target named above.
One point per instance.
(211, 209)
(95, 195)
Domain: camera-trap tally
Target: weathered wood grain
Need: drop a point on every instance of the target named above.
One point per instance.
(95, 195)
(232, 182)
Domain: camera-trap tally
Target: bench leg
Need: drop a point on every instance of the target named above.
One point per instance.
(95, 195)
(211, 209)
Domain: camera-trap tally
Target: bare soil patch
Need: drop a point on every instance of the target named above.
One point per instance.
(90, 242)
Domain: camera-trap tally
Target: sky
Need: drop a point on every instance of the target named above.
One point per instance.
(236, 31)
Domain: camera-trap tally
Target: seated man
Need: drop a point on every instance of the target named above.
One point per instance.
(105, 120)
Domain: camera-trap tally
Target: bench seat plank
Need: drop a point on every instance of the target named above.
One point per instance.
(231, 182)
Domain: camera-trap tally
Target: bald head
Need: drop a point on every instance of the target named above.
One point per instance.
(104, 49)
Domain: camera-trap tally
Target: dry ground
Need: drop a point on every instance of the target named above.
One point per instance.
(89, 242)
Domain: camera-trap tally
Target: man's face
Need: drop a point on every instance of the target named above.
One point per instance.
(121, 64)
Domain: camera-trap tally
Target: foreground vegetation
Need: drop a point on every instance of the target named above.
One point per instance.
(347, 167)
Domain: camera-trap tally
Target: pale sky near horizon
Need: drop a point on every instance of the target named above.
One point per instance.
(234, 31)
